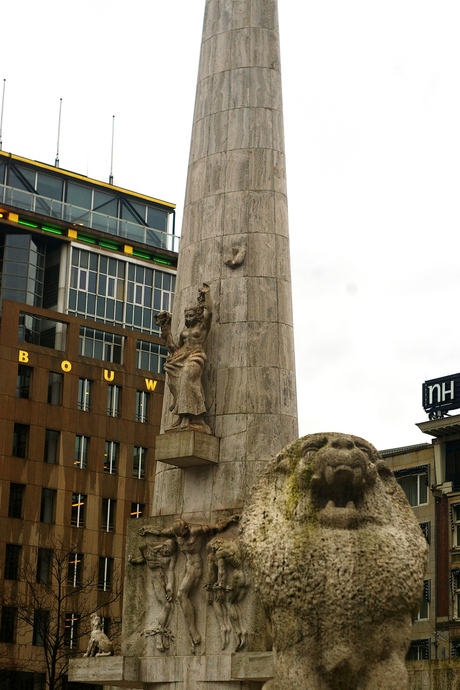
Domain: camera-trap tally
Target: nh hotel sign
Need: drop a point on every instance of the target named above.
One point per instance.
(441, 395)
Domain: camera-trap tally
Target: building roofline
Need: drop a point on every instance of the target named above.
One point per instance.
(404, 449)
(84, 178)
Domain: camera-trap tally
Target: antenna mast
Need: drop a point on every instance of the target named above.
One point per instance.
(111, 155)
(56, 162)
(1, 115)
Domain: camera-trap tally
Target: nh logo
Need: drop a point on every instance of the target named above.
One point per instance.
(441, 392)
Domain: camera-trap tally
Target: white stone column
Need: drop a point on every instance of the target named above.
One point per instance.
(235, 239)
(236, 209)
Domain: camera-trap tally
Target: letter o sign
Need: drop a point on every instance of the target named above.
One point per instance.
(66, 366)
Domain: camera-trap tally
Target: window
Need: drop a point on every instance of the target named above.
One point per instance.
(108, 514)
(137, 510)
(16, 500)
(71, 630)
(51, 450)
(42, 331)
(141, 406)
(455, 584)
(41, 621)
(81, 451)
(113, 400)
(426, 529)
(415, 486)
(55, 388)
(77, 518)
(111, 456)
(455, 523)
(453, 464)
(20, 440)
(102, 345)
(105, 573)
(12, 554)
(418, 650)
(424, 611)
(75, 569)
(97, 286)
(8, 623)
(149, 291)
(23, 381)
(106, 624)
(48, 505)
(150, 356)
(139, 462)
(44, 566)
(84, 394)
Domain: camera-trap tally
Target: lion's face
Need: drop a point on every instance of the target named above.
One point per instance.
(343, 467)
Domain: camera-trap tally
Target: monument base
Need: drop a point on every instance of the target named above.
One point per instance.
(248, 670)
(121, 671)
(187, 448)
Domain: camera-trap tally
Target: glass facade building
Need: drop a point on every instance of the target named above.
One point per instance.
(84, 269)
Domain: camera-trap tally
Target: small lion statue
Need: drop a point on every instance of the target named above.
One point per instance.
(99, 644)
(338, 560)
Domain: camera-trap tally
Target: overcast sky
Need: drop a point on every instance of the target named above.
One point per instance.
(372, 127)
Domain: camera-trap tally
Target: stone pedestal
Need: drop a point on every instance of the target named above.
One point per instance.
(122, 672)
(230, 672)
(187, 448)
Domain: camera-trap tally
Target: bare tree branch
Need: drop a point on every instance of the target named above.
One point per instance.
(43, 605)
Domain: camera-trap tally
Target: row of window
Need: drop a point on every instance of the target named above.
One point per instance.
(415, 483)
(44, 569)
(16, 505)
(51, 451)
(8, 626)
(92, 342)
(85, 386)
(118, 292)
(83, 203)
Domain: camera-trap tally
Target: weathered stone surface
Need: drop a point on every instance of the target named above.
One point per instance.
(234, 238)
(185, 579)
(338, 559)
(187, 448)
(252, 665)
(120, 671)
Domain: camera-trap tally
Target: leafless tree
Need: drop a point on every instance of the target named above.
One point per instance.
(58, 608)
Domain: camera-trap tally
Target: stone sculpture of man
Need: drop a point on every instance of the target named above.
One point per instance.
(185, 363)
(227, 586)
(190, 540)
(161, 560)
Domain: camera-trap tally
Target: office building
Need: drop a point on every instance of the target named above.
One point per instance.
(84, 268)
(429, 473)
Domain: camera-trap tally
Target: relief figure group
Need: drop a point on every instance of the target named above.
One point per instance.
(226, 582)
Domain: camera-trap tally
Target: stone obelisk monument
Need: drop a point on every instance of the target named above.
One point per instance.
(190, 610)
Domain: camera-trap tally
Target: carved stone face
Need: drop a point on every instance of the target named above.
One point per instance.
(214, 544)
(180, 528)
(343, 468)
(191, 317)
(168, 548)
(95, 622)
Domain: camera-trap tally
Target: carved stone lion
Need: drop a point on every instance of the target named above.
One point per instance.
(99, 644)
(338, 559)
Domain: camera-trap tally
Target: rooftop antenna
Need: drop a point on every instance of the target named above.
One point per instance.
(1, 115)
(56, 162)
(111, 155)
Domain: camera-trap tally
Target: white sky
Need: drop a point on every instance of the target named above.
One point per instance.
(372, 125)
